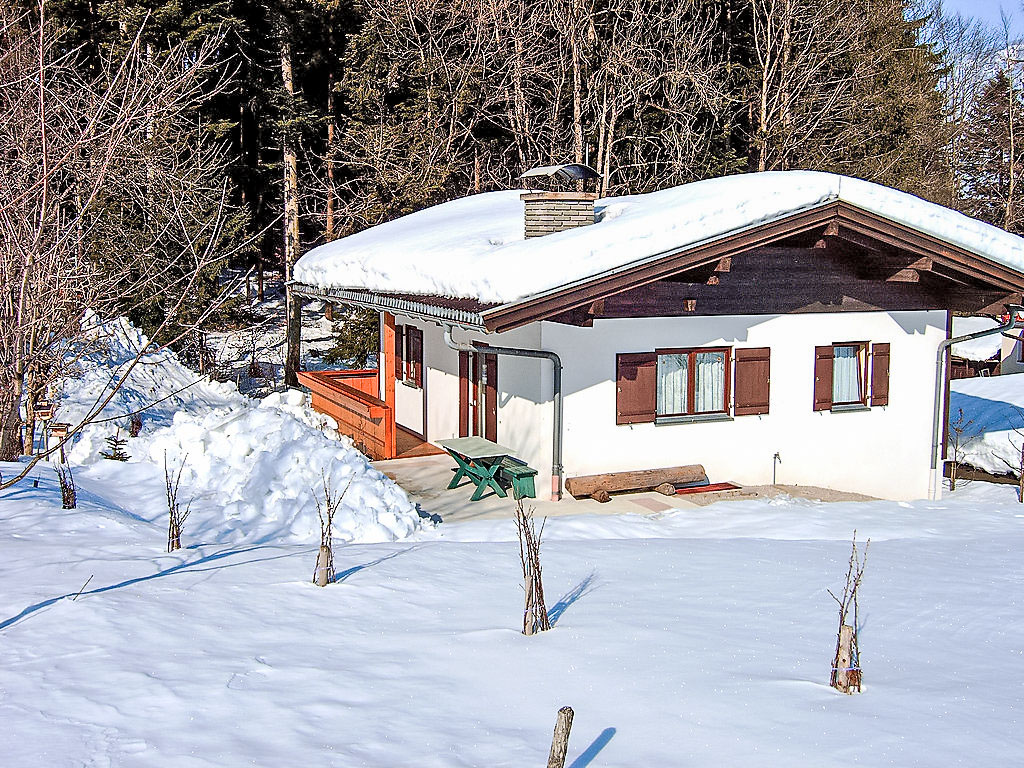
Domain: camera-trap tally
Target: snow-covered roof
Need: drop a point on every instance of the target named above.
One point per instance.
(474, 247)
(981, 349)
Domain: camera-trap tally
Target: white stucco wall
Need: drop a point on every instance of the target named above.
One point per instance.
(882, 452)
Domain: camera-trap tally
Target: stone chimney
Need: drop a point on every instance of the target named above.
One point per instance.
(548, 212)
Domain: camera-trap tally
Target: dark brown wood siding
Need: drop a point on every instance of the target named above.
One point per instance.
(879, 374)
(823, 357)
(636, 387)
(753, 372)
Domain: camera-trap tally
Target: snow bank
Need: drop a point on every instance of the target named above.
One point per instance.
(474, 247)
(253, 468)
(993, 409)
(981, 349)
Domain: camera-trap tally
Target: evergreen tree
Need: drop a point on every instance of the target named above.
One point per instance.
(991, 169)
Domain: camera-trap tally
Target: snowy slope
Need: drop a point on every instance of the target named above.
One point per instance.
(993, 408)
(697, 638)
(981, 349)
(474, 247)
(252, 467)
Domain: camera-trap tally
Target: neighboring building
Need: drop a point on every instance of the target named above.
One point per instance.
(720, 323)
(977, 357)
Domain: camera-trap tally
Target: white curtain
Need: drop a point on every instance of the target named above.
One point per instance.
(846, 375)
(672, 376)
(709, 392)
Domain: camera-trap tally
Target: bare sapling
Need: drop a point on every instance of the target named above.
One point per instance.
(324, 573)
(1016, 463)
(535, 614)
(68, 492)
(176, 516)
(846, 670)
(961, 434)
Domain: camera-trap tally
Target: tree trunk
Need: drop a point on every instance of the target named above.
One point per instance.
(10, 423)
(291, 215)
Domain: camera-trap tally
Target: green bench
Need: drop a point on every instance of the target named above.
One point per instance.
(520, 476)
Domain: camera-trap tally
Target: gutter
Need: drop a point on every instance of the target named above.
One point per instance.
(556, 395)
(376, 301)
(935, 491)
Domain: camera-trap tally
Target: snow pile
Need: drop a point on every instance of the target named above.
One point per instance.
(253, 469)
(474, 247)
(993, 412)
(981, 349)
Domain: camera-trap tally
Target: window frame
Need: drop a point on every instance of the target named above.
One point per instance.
(863, 372)
(412, 364)
(691, 385)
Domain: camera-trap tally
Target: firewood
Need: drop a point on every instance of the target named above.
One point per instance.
(637, 480)
(666, 489)
(601, 496)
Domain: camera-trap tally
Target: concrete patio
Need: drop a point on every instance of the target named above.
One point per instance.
(426, 478)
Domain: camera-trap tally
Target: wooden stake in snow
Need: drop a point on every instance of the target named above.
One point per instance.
(560, 740)
(846, 672)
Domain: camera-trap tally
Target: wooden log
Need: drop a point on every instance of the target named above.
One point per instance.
(560, 740)
(639, 480)
(666, 489)
(601, 496)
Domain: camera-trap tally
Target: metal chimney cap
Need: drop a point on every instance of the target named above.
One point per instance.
(565, 172)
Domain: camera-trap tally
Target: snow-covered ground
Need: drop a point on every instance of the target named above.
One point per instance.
(696, 637)
(699, 637)
(992, 422)
(252, 469)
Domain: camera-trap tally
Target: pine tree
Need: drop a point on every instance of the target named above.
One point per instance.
(992, 168)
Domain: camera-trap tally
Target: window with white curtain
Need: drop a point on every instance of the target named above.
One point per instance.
(847, 374)
(693, 381)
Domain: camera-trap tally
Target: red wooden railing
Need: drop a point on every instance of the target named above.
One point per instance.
(350, 398)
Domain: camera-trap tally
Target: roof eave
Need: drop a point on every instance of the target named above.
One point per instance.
(381, 302)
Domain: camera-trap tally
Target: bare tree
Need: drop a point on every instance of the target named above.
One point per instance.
(111, 202)
(846, 670)
(962, 432)
(324, 571)
(535, 614)
(176, 516)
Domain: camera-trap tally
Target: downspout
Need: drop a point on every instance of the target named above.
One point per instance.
(556, 396)
(940, 386)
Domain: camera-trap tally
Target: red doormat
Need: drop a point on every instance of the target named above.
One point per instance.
(708, 488)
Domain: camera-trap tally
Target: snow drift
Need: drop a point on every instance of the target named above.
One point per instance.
(252, 468)
(993, 421)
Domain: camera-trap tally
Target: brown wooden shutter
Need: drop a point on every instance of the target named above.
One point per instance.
(463, 394)
(636, 387)
(823, 357)
(399, 356)
(753, 369)
(879, 374)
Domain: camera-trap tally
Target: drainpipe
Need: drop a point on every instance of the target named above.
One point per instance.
(940, 385)
(556, 365)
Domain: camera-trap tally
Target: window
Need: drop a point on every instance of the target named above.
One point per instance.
(692, 382)
(841, 375)
(848, 374)
(412, 360)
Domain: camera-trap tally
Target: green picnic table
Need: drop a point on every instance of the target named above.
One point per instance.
(486, 463)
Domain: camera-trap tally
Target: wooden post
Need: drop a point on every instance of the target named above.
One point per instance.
(844, 658)
(560, 741)
(386, 374)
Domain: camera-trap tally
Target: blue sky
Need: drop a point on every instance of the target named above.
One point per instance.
(988, 11)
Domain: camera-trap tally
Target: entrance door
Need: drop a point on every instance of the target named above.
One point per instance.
(478, 395)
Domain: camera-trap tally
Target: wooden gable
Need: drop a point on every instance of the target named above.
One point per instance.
(835, 258)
